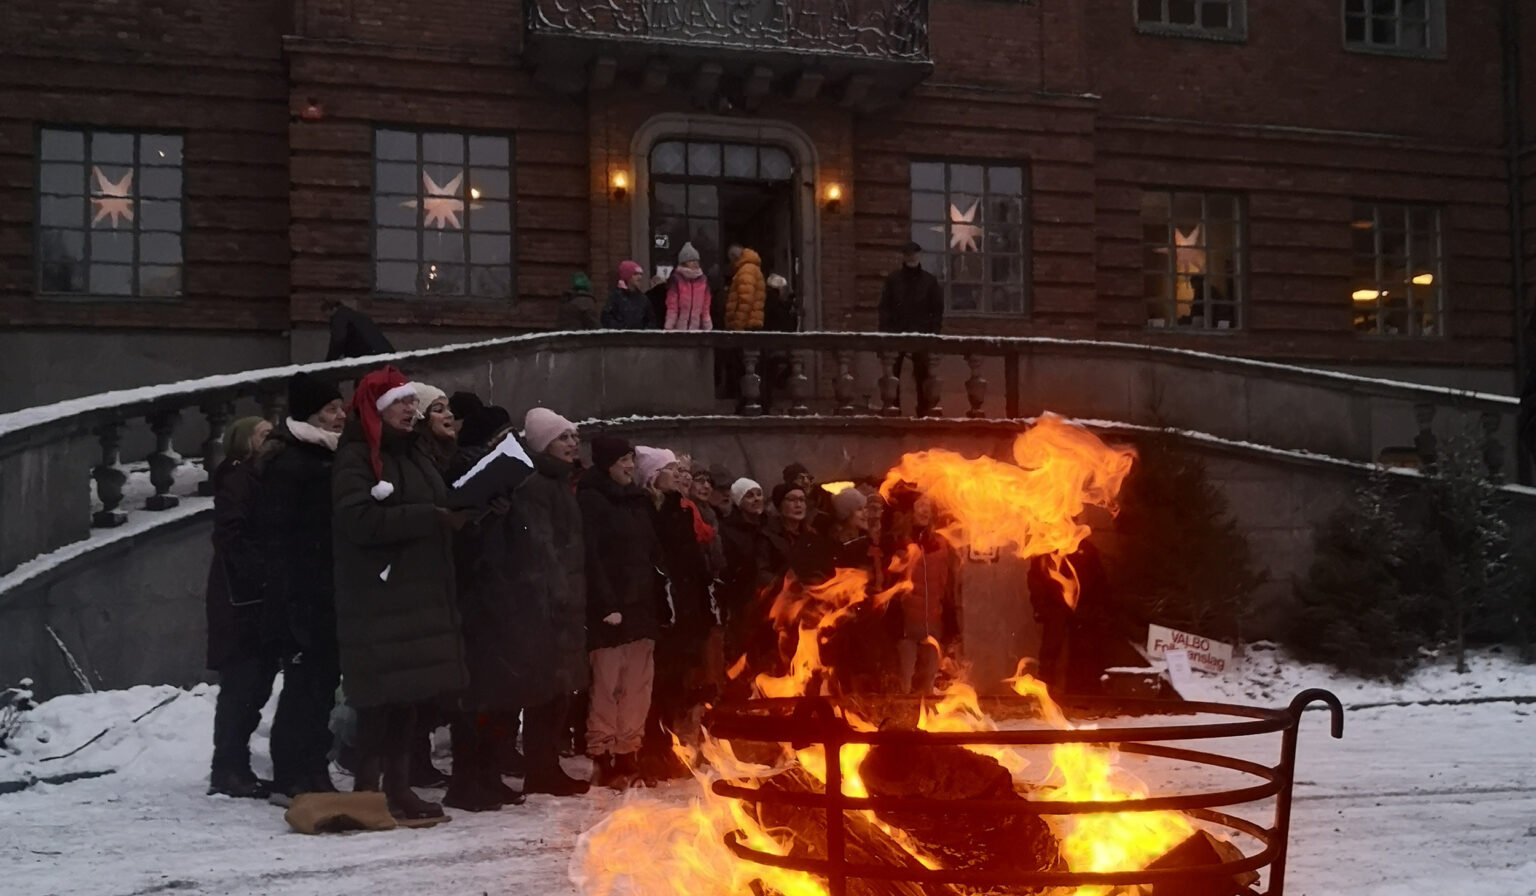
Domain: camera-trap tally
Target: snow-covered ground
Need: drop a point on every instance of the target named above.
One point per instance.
(1417, 798)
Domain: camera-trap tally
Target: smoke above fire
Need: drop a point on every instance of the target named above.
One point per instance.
(1030, 508)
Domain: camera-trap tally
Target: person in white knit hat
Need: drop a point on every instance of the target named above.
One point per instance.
(739, 534)
(437, 426)
(549, 579)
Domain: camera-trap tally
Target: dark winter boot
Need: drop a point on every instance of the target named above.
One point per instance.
(627, 768)
(423, 772)
(241, 783)
(467, 789)
(555, 782)
(369, 769)
(404, 804)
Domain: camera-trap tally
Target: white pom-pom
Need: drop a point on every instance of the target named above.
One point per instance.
(382, 490)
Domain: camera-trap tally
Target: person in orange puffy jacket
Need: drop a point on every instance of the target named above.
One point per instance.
(688, 293)
(748, 293)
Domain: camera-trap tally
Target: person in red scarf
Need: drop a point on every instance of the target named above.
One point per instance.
(396, 616)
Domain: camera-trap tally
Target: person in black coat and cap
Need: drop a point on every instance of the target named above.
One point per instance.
(234, 597)
(913, 302)
(623, 553)
(292, 524)
(353, 333)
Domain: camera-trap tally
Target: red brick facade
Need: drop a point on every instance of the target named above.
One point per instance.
(279, 209)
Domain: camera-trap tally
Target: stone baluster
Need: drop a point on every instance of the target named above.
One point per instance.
(799, 386)
(928, 391)
(975, 388)
(890, 387)
(218, 414)
(751, 383)
(1493, 450)
(842, 384)
(109, 478)
(1425, 443)
(163, 460)
(274, 404)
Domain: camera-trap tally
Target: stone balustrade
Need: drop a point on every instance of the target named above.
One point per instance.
(49, 456)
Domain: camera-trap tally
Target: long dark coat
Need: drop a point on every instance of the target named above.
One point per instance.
(291, 520)
(912, 302)
(504, 657)
(623, 554)
(234, 594)
(686, 565)
(547, 581)
(397, 618)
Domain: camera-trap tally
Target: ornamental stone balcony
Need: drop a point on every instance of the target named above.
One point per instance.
(734, 53)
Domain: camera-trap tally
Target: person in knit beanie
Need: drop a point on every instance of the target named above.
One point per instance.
(688, 295)
(437, 425)
(740, 532)
(651, 464)
(309, 395)
(608, 450)
(482, 426)
(463, 404)
(631, 306)
(549, 558)
(397, 617)
(579, 311)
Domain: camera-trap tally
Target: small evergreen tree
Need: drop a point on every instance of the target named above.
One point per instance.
(1183, 562)
(1356, 610)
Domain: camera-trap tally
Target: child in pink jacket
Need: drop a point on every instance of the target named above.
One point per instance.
(688, 295)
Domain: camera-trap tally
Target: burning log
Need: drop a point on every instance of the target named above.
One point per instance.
(1202, 849)
(960, 840)
(864, 843)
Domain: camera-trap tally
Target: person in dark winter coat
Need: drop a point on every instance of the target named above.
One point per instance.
(631, 306)
(353, 334)
(913, 302)
(623, 554)
(738, 583)
(235, 651)
(579, 310)
(548, 565)
(482, 558)
(397, 617)
(292, 523)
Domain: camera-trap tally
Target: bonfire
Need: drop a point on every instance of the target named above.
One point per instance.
(769, 816)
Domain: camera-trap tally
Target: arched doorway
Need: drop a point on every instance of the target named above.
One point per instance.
(715, 181)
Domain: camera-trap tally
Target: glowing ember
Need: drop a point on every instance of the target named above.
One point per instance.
(1031, 509)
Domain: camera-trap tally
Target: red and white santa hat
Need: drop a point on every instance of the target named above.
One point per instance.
(375, 392)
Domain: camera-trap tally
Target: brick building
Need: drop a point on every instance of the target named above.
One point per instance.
(184, 184)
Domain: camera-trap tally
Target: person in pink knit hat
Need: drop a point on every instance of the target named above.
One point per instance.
(631, 305)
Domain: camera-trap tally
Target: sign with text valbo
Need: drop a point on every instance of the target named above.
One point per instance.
(1204, 654)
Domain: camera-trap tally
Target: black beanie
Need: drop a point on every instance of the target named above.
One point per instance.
(463, 404)
(782, 490)
(482, 423)
(308, 394)
(606, 450)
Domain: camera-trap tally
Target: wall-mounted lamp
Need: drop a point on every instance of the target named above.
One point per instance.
(618, 186)
(313, 111)
(833, 198)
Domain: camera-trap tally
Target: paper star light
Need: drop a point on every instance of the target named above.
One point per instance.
(963, 232)
(113, 200)
(441, 204)
(1189, 255)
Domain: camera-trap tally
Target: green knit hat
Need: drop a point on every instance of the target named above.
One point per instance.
(581, 282)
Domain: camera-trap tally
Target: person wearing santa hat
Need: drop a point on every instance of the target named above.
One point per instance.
(397, 619)
(548, 563)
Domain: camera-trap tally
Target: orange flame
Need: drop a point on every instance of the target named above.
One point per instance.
(1031, 509)
(1101, 841)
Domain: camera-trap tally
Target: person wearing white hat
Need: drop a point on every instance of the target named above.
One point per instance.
(549, 578)
(738, 584)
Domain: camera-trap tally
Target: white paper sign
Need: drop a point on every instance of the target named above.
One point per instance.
(1202, 653)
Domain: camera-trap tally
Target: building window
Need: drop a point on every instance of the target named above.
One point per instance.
(969, 219)
(1413, 27)
(109, 218)
(442, 214)
(1192, 263)
(1398, 286)
(1223, 19)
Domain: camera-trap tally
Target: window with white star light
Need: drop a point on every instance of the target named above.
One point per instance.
(109, 215)
(442, 213)
(1192, 259)
(969, 219)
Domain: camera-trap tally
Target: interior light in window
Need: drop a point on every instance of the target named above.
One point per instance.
(1424, 279)
(1367, 295)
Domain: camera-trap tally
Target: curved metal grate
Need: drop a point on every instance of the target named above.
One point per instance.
(804, 722)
